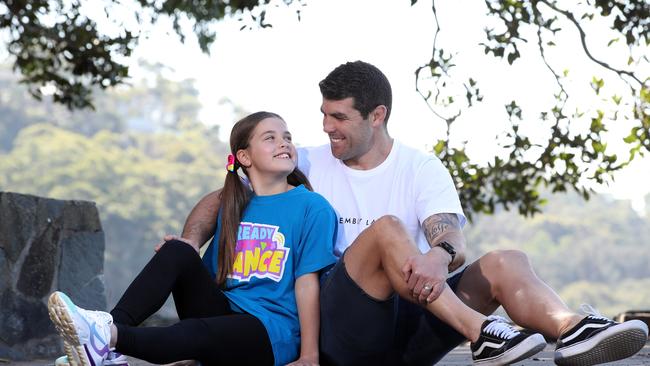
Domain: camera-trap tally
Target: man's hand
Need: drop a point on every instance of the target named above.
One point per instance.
(426, 275)
(170, 237)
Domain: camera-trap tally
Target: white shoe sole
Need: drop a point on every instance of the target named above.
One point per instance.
(62, 361)
(70, 359)
(65, 360)
(62, 319)
(615, 343)
(528, 347)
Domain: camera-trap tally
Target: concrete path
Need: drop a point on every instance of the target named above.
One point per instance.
(460, 356)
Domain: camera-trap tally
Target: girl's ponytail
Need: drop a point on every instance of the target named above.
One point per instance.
(234, 198)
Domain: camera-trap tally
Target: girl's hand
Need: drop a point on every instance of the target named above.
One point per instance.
(184, 363)
(305, 361)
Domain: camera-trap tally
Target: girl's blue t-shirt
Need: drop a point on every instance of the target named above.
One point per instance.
(281, 237)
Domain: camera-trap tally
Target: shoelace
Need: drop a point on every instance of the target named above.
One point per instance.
(499, 327)
(100, 317)
(589, 310)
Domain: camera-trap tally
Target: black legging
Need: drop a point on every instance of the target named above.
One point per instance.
(209, 331)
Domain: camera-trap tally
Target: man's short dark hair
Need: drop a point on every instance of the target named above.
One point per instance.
(364, 82)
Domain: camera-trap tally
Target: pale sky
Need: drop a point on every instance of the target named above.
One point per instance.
(278, 69)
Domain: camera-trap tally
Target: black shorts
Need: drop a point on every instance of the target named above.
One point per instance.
(357, 329)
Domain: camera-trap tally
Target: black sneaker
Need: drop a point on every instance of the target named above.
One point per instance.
(597, 339)
(501, 344)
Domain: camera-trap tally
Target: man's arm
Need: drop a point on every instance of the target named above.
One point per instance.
(201, 223)
(445, 227)
(426, 274)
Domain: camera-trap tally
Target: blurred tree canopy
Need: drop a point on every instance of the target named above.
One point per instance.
(59, 44)
(71, 47)
(594, 251)
(145, 170)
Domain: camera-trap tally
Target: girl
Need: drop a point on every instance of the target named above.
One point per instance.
(255, 301)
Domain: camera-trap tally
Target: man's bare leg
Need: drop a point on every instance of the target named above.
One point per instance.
(506, 278)
(375, 260)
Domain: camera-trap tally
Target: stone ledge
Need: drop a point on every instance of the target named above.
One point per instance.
(45, 245)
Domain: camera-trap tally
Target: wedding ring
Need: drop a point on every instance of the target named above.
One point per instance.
(427, 288)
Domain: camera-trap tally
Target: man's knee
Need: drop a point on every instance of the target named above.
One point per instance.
(387, 225)
(504, 259)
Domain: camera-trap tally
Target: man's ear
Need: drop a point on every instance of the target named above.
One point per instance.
(378, 115)
(243, 158)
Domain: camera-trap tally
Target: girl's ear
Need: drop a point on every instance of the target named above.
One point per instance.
(243, 158)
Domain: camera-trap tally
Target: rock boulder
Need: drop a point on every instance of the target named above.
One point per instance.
(45, 245)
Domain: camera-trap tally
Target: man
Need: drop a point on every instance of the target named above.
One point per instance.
(390, 200)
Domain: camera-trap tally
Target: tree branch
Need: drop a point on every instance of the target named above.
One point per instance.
(541, 51)
(448, 120)
(583, 37)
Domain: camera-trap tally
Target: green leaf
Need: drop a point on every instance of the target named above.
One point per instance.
(597, 84)
(631, 137)
(598, 146)
(512, 57)
(441, 145)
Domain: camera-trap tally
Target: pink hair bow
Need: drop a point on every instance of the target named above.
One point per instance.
(231, 163)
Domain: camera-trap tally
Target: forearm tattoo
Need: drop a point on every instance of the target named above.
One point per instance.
(436, 225)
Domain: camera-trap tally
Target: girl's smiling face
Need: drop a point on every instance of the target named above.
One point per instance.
(270, 150)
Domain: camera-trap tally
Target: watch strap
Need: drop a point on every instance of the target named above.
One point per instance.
(448, 248)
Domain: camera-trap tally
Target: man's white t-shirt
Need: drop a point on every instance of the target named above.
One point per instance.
(409, 184)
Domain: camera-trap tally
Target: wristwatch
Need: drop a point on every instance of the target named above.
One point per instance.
(448, 248)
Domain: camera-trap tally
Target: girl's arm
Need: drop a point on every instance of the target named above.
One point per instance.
(307, 298)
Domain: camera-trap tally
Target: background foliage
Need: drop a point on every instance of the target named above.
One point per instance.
(572, 153)
(594, 252)
(143, 157)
